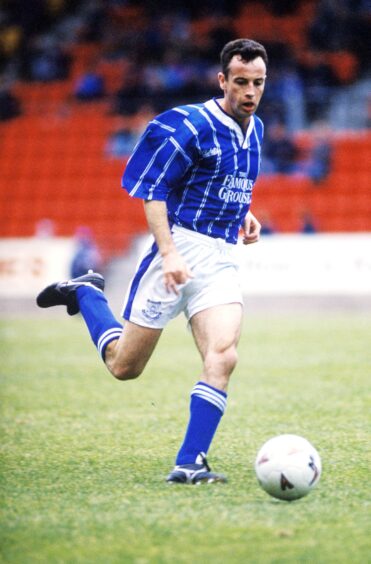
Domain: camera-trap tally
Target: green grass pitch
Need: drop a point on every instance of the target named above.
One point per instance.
(84, 457)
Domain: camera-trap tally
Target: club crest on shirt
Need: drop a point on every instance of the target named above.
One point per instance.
(153, 310)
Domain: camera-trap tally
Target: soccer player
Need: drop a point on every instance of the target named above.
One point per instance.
(194, 167)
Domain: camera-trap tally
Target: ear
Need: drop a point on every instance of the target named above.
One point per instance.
(222, 81)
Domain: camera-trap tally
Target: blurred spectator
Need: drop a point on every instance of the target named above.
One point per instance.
(87, 255)
(132, 93)
(10, 41)
(319, 79)
(127, 132)
(293, 98)
(284, 98)
(46, 60)
(280, 151)
(170, 46)
(163, 32)
(89, 86)
(342, 25)
(120, 142)
(308, 226)
(368, 110)
(267, 227)
(221, 34)
(94, 20)
(10, 106)
(45, 228)
(329, 30)
(359, 32)
(317, 164)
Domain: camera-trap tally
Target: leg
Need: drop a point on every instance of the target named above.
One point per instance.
(216, 332)
(127, 357)
(124, 351)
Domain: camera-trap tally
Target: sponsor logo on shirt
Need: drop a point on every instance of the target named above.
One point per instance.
(236, 188)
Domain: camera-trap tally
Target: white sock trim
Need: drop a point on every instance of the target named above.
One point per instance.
(210, 395)
(107, 337)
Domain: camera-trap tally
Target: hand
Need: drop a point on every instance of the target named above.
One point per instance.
(175, 271)
(251, 229)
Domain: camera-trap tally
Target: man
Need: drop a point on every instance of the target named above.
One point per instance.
(194, 167)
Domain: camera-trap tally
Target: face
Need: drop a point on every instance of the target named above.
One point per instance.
(243, 87)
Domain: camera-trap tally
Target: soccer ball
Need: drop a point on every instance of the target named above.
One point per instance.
(288, 467)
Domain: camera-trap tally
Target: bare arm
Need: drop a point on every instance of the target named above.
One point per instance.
(174, 267)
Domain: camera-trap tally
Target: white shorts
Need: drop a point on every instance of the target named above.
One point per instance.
(214, 265)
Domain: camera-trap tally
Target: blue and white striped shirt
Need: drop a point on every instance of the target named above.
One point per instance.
(198, 159)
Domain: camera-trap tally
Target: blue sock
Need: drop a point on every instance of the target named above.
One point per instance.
(102, 325)
(207, 407)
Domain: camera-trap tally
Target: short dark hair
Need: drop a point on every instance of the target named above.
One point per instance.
(248, 49)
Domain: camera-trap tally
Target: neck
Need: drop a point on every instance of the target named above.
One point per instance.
(243, 123)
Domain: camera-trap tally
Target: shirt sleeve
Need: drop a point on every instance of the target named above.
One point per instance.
(159, 161)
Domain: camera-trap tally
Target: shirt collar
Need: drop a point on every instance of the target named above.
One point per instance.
(214, 107)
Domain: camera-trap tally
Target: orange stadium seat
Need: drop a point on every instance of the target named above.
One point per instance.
(340, 203)
(256, 21)
(53, 166)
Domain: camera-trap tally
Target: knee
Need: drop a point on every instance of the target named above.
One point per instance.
(123, 372)
(222, 361)
(230, 359)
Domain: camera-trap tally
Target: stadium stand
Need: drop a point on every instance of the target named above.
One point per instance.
(54, 165)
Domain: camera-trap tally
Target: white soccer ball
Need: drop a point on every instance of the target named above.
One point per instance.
(288, 467)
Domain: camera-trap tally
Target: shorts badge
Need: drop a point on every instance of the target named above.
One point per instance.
(152, 310)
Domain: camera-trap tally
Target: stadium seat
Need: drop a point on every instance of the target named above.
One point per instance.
(53, 157)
